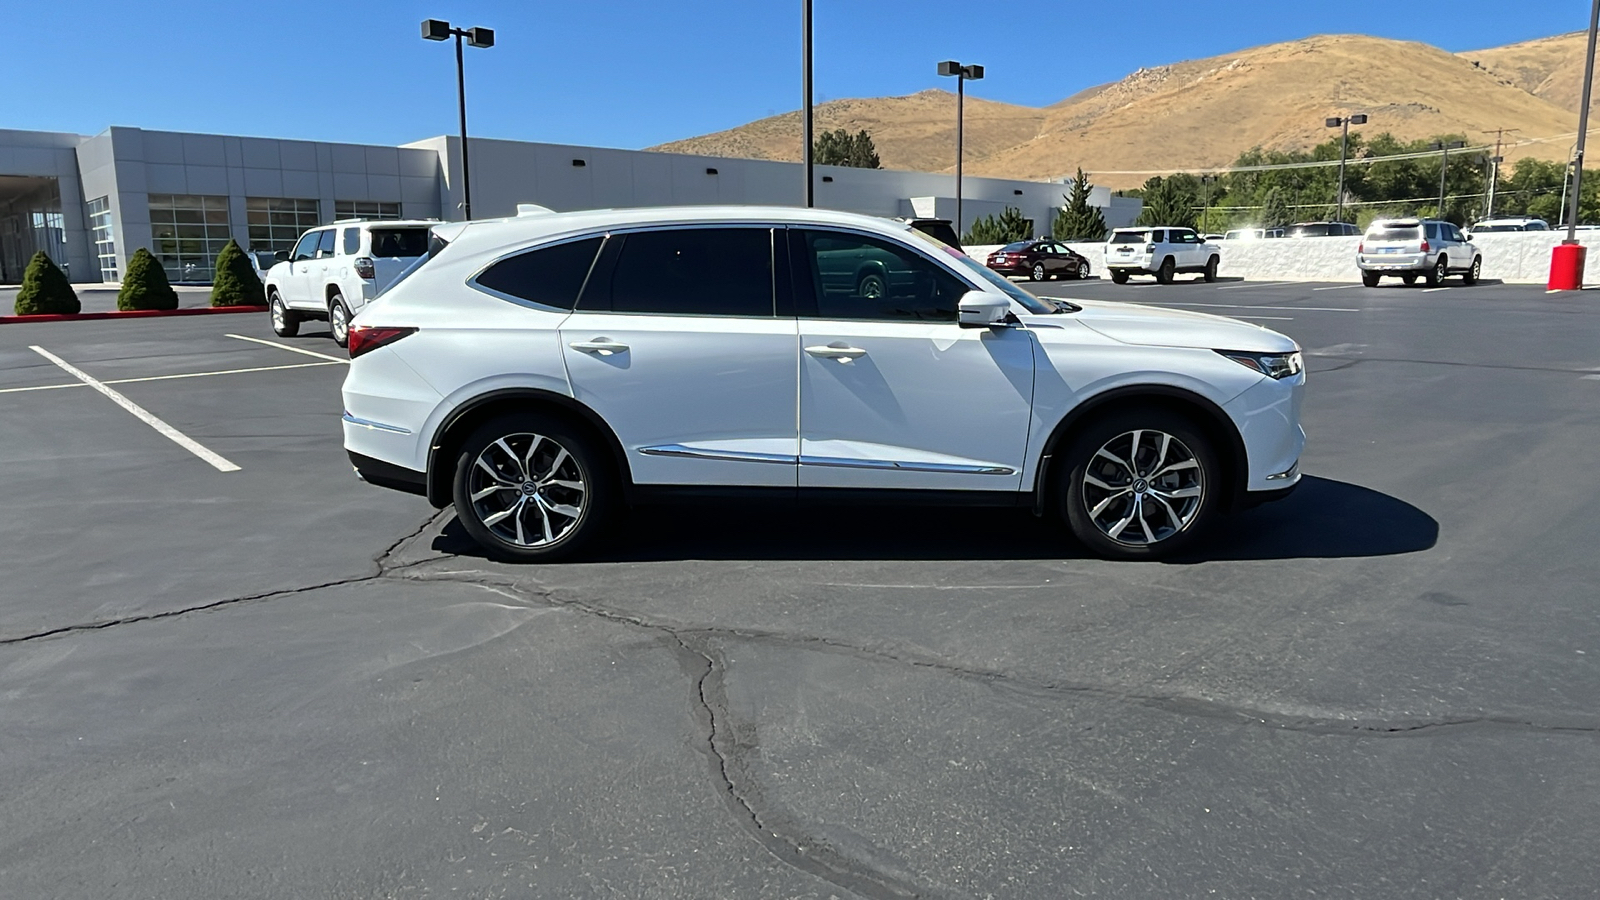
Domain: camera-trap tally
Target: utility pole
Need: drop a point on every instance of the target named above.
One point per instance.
(1494, 171)
(1343, 122)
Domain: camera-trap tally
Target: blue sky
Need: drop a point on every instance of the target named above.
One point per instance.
(625, 73)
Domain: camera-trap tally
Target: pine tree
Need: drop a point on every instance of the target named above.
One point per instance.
(1274, 211)
(841, 148)
(1078, 221)
(1009, 227)
(45, 289)
(236, 283)
(145, 285)
(1169, 201)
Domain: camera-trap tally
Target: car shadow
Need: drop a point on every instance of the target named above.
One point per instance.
(1322, 519)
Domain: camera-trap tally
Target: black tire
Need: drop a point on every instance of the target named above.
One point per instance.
(1166, 271)
(872, 286)
(1410, 278)
(1119, 276)
(1211, 269)
(339, 319)
(1079, 499)
(1436, 274)
(1474, 273)
(285, 321)
(585, 464)
(1037, 273)
(1370, 279)
(1082, 271)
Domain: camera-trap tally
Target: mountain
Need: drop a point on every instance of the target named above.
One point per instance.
(1549, 68)
(1204, 113)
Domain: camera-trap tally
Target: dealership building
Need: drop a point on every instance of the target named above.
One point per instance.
(91, 202)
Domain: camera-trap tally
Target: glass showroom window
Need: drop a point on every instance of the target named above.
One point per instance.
(365, 209)
(275, 223)
(189, 232)
(105, 244)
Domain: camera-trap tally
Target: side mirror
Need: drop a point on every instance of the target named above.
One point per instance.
(280, 256)
(981, 309)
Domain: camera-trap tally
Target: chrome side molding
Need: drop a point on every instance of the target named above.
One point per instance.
(376, 426)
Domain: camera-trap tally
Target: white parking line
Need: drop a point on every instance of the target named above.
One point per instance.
(290, 348)
(139, 412)
(1261, 306)
(1270, 318)
(74, 384)
(1431, 290)
(1234, 287)
(1339, 287)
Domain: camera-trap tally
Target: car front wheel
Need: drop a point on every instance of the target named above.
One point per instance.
(530, 488)
(285, 322)
(1140, 484)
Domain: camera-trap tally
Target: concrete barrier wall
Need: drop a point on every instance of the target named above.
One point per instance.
(1514, 257)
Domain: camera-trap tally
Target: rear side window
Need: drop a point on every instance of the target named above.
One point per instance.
(325, 246)
(549, 276)
(352, 241)
(403, 243)
(686, 271)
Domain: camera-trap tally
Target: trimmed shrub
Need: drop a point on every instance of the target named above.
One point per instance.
(235, 283)
(45, 289)
(145, 285)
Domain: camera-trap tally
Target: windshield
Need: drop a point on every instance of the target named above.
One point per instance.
(1029, 302)
(1129, 237)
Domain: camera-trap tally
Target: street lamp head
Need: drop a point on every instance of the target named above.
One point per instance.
(1359, 119)
(973, 73)
(480, 37)
(435, 30)
(949, 67)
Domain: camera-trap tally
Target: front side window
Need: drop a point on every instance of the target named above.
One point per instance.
(549, 276)
(686, 271)
(307, 248)
(858, 277)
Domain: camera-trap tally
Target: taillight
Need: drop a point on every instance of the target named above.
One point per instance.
(364, 268)
(364, 338)
(1361, 247)
(1149, 248)
(1424, 246)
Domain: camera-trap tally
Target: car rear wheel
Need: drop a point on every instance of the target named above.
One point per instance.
(1140, 484)
(339, 320)
(1165, 273)
(1083, 270)
(1439, 270)
(1037, 273)
(871, 286)
(1475, 272)
(530, 488)
(1370, 279)
(1119, 276)
(1211, 269)
(285, 321)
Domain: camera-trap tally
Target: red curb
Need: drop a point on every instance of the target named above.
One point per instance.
(131, 314)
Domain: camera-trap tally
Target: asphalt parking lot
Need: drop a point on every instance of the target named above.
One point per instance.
(274, 680)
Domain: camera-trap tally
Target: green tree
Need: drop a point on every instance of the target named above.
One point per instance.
(45, 289)
(1078, 221)
(236, 283)
(1170, 201)
(145, 285)
(1274, 210)
(841, 148)
(1009, 227)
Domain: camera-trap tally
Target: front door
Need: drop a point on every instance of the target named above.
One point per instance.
(893, 392)
(297, 287)
(677, 342)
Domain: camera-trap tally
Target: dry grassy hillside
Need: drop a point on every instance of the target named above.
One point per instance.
(1551, 68)
(1204, 113)
(916, 132)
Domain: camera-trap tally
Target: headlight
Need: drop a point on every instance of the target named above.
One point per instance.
(1272, 365)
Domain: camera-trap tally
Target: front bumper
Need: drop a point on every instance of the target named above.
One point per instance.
(1268, 418)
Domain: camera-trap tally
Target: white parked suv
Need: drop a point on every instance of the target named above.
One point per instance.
(538, 372)
(335, 270)
(1431, 248)
(1161, 252)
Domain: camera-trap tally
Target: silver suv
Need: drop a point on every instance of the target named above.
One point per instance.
(1430, 248)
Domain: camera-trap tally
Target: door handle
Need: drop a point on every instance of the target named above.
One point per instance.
(599, 345)
(837, 350)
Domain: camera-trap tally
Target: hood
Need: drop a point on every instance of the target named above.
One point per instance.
(1131, 323)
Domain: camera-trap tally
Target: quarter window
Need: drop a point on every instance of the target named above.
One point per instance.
(549, 276)
(687, 271)
(352, 241)
(857, 277)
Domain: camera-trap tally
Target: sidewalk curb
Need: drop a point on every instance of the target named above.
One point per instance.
(132, 314)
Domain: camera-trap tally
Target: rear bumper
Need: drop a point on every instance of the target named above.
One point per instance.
(1408, 262)
(389, 475)
(1010, 268)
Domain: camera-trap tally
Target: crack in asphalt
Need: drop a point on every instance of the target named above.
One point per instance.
(380, 561)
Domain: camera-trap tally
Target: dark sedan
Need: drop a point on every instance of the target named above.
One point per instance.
(1039, 259)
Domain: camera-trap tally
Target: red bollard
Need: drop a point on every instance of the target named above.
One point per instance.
(1566, 267)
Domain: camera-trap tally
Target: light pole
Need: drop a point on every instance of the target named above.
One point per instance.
(1566, 174)
(1444, 164)
(805, 52)
(439, 30)
(1205, 208)
(962, 73)
(1343, 122)
(1583, 131)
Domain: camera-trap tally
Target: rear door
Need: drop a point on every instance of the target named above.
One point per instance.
(678, 342)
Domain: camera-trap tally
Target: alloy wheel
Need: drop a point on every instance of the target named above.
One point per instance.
(1038, 271)
(1142, 487)
(1083, 270)
(527, 490)
(339, 323)
(277, 314)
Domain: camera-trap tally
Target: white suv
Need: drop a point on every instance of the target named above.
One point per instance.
(335, 270)
(1161, 252)
(540, 371)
